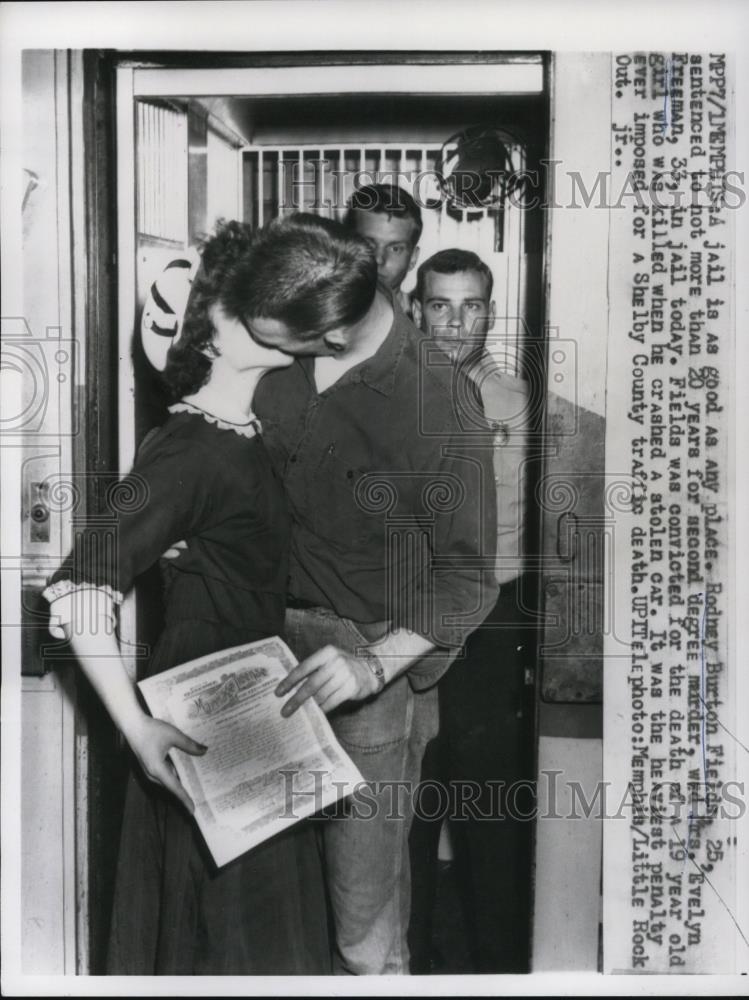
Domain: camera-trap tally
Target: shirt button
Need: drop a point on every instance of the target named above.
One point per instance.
(293, 458)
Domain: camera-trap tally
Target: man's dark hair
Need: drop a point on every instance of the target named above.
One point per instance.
(306, 271)
(451, 261)
(388, 199)
(187, 367)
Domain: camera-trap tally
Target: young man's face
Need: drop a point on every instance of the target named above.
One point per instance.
(239, 352)
(274, 333)
(455, 309)
(391, 237)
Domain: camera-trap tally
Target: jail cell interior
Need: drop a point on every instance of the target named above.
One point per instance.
(201, 159)
(280, 179)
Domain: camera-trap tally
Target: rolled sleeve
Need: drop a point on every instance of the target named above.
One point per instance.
(458, 588)
(70, 602)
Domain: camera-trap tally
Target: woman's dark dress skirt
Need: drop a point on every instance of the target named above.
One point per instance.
(174, 912)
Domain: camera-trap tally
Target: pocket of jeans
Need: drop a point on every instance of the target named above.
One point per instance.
(366, 633)
(379, 724)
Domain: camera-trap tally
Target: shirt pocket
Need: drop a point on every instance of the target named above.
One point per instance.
(349, 510)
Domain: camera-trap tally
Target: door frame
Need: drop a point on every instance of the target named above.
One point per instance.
(155, 74)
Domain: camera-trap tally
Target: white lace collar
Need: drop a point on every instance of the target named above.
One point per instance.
(246, 429)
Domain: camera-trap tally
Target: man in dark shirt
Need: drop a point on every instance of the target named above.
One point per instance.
(393, 543)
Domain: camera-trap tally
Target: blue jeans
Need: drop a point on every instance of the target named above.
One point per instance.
(366, 849)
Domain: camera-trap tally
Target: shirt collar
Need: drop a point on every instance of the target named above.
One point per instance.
(379, 371)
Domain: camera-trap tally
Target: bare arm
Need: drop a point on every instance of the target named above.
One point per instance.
(150, 739)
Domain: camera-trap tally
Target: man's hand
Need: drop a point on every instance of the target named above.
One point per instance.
(151, 740)
(174, 550)
(330, 677)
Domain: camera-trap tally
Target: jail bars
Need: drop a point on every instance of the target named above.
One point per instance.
(280, 179)
(161, 175)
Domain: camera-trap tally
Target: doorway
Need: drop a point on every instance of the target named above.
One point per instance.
(197, 143)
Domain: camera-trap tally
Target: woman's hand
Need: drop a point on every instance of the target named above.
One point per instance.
(150, 740)
(331, 677)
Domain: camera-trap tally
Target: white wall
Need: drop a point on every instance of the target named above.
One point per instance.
(48, 742)
(578, 294)
(568, 851)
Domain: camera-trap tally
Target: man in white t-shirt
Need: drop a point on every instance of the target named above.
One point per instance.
(486, 709)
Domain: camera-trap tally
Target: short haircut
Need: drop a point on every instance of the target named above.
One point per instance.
(388, 199)
(451, 261)
(307, 272)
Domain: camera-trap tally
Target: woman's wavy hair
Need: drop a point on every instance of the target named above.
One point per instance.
(187, 366)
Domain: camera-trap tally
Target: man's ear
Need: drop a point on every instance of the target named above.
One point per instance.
(416, 312)
(414, 258)
(337, 338)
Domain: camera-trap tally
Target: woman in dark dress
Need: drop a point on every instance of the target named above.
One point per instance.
(204, 476)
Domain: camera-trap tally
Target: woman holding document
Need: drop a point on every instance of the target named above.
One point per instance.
(203, 475)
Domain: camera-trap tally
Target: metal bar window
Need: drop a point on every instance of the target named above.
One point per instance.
(161, 172)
